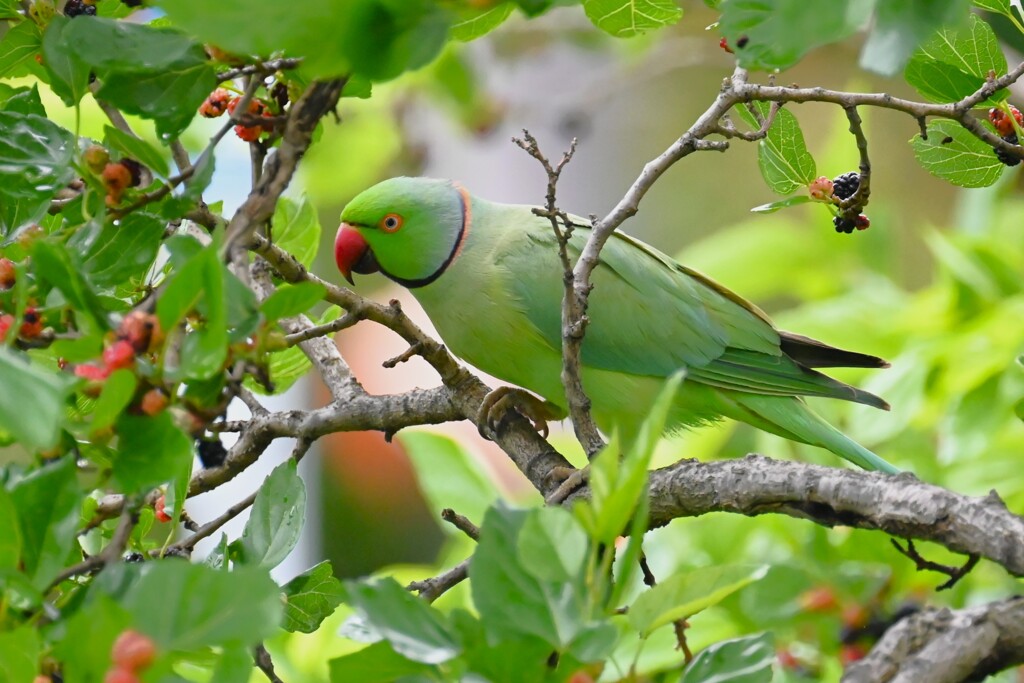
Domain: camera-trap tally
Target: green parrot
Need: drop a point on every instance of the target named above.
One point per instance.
(489, 277)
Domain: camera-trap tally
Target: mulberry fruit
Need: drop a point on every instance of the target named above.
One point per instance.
(846, 185)
(1006, 157)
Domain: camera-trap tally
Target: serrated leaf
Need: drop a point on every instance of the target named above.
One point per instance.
(512, 602)
(311, 597)
(899, 27)
(112, 254)
(772, 207)
(69, 75)
(378, 663)
(286, 367)
(414, 628)
(953, 154)
(138, 149)
(10, 533)
(35, 162)
(956, 62)
(277, 516)
(291, 300)
(448, 474)
(552, 545)
(739, 660)
(785, 163)
(472, 23)
(19, 654)
(118, 390)
(779, 33)
(296, 228)
(31, 402)
(53, 263)
(47, 501)
(152, 451)
(683, 595)
(186, 606)
(628, 18)
(20, 43)
(999, 6)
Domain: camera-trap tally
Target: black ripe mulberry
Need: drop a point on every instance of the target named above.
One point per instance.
(211, 452)
(75, 8)
(1006, 157)
(846, 185)
(843, 224)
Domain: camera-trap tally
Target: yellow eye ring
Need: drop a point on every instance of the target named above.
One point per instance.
(391, 223)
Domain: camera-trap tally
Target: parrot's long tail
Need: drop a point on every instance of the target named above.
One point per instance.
(791, 418)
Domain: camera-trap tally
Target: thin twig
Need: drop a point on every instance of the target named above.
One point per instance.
(461, 523)
(111, 552)
(433, 588)
(265, 663)
(922, 564)
(574, 302)
(344, 322)
(264, 68)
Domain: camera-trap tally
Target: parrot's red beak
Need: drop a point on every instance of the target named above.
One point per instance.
(352, 253)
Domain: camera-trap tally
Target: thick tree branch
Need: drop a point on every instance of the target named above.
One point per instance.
(945, 646)
(901, 505)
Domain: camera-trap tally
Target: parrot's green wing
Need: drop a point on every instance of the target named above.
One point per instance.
(649, 315)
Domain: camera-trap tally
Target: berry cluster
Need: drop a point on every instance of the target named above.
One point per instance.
(137, 333)
(131, 653)
(838, 190)
(31, 324)
(1005, 126)
(221, 100)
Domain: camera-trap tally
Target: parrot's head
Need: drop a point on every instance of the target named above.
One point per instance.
(409, 229)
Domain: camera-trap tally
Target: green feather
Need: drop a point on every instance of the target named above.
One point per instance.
(498, 306)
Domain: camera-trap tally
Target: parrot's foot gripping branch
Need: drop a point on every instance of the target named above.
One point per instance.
(499, 403)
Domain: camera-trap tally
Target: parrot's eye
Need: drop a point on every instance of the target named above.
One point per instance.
(391, 223)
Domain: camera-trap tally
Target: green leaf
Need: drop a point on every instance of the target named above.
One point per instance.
(114, 254)
(186, 606)
(782, 155)
(779, 33)
(448, 475)
(378, 663)
(772, 207)
(956, 62)
(628, 18)
(169, 97)
(152, 451)
(198, 283)
(35, 162)
(472, 23)
(10, 532)
(291, 300)
(19, 655)
(69, 75)
(312, 596)
(513, 602)
(138, 149)
(53, 263)
(739, 660)
(617, 483)
(277, 516)
(552, 545)
(233, 666)
(85, 648)
(241, 313)
(899, 27)
(683, 595)
(118, 391)
(25, 101)
(953, 154)
(415, 629)
(287, 366)
(999, 6)
(47, 501)
(19, 44)
(32, 401)
(296, 228)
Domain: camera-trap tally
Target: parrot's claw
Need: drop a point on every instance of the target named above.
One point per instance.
(571, 479)
(499, 403)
